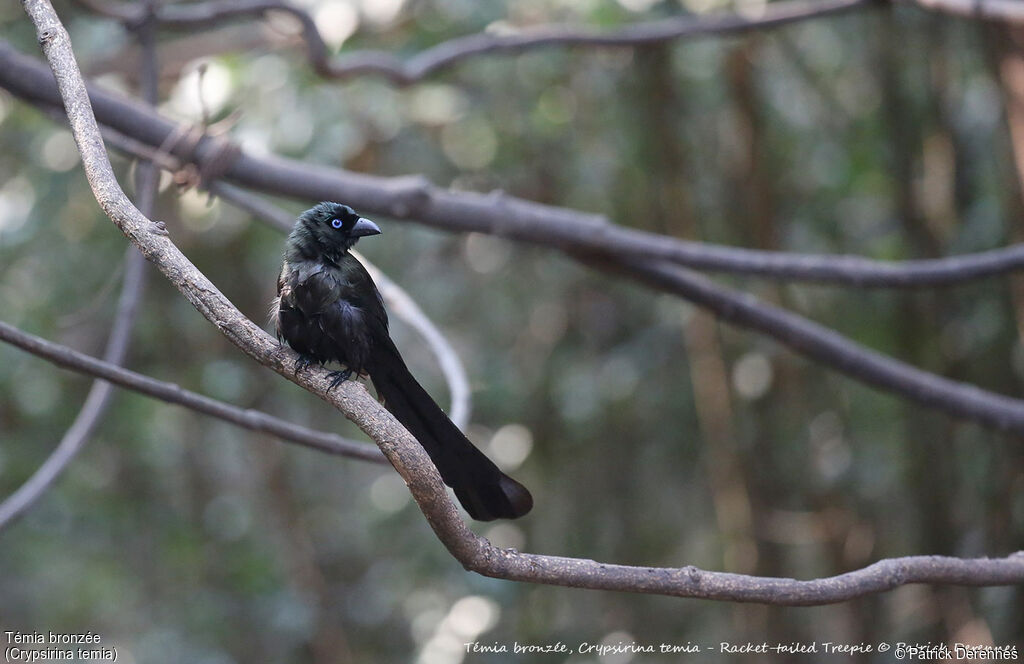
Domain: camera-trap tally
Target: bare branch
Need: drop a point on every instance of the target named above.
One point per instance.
(480, 556)
(258, 207)
(692, 582)
(516, 219)
(416, 199)
(830, 348)
(253, 420)
(689, 581)
(1000, 10)
(450, 53)
(802, 335)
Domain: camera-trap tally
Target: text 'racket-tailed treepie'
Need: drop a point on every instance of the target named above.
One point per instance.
(328, 310)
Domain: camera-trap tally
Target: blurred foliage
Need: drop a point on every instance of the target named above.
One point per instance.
(879, 133)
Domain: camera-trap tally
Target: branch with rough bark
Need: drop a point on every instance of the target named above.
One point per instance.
(411, 461)
(811, 339)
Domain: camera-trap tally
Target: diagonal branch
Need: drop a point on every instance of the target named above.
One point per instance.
(253, 420)
(448, 54)
(828, 347)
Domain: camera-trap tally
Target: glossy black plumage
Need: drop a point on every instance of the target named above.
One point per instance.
(329, 310)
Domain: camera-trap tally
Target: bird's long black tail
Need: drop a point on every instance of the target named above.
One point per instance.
(484, 491)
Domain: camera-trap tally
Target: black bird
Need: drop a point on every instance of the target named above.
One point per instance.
(328, 310)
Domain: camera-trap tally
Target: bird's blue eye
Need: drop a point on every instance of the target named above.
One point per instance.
(336, 223)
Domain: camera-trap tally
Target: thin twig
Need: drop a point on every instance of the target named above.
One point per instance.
(253, 420)
(267, 212)
(411, 460)
(449, 53)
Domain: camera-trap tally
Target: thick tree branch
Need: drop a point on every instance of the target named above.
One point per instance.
(252, 420)
(449, 53)
(416, 199)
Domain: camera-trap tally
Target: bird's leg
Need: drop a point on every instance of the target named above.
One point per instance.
(304, 362)
(338, 377)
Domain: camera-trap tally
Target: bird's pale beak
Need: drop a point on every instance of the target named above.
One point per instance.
(364, 227)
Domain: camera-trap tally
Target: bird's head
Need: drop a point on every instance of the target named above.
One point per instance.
(329, 229)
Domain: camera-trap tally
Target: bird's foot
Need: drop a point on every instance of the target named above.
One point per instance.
(304, 362)
(338, 377)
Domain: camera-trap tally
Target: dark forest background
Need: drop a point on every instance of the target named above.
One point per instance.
(649, 432)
